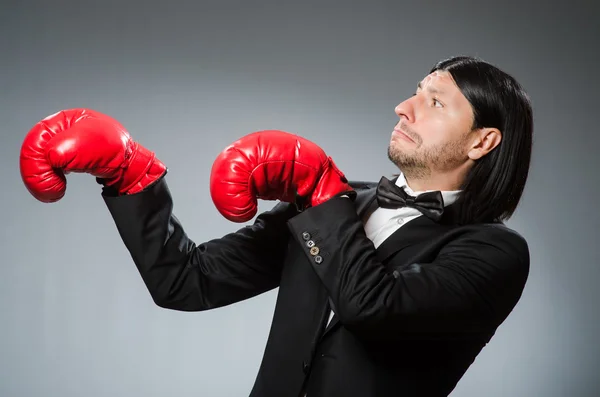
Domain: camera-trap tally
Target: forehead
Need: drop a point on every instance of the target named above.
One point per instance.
(439, 79)
(442, 83)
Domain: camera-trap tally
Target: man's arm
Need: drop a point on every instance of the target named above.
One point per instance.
(186, 276)
(469, 287)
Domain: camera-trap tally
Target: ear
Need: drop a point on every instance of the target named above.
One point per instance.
(484, 141)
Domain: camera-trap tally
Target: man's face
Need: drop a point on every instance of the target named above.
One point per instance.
(432, 133)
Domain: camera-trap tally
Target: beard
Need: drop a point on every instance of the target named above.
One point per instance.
(422, 162)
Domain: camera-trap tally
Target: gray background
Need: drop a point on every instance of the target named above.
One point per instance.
(187, 79)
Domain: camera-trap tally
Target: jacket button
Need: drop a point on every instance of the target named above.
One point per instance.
(314, 251)
(306, 235)
(310, 243)
(318, 259)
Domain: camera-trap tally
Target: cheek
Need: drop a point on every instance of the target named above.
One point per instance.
(440, 128)
(435, 130)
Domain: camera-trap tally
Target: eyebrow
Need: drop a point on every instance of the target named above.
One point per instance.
(430, 89)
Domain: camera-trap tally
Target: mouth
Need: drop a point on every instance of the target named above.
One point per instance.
(402, 135)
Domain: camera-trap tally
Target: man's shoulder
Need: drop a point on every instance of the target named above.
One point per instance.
(494, 234)
(502, 230)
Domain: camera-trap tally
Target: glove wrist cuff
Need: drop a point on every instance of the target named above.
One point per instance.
(142, 170)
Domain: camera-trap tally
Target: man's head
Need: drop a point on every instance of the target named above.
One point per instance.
(468, 126)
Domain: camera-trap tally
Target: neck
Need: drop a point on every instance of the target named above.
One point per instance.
(446, 181)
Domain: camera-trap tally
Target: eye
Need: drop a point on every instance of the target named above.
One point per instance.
(437, 103)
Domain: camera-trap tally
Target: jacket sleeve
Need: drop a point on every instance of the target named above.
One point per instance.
(183, 275)
(469, 286)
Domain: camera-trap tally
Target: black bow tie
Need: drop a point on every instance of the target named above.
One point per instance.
(390, 195)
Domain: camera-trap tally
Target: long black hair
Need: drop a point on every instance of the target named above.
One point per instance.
(493, 187)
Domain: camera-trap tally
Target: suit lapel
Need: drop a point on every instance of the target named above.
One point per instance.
(365, 202)
(415, 231)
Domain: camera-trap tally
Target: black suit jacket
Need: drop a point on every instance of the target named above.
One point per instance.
(410, 316)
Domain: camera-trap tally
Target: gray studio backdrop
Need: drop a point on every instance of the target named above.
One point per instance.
(187, 79)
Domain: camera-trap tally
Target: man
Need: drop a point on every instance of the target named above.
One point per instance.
(381, 293)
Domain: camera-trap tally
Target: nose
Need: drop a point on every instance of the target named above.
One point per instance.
(406, 109)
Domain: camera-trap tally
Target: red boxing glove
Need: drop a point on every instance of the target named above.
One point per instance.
(86, 141)
(272, 165)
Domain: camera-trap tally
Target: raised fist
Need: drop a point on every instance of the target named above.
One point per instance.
(86, 141)
(272, 165)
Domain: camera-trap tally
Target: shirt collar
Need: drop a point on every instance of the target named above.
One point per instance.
(449, 195)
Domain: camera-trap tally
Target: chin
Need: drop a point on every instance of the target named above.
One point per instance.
(397, 149)
(395, 155)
